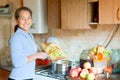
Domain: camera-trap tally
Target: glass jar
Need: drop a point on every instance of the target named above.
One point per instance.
(115, 57)
(84, 57)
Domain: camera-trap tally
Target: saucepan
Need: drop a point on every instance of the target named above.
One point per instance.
(60, 67)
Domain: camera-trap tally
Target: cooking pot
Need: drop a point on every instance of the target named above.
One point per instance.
(60, 67)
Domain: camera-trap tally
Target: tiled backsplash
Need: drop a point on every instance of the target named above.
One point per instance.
(4, 38)
(74, 41)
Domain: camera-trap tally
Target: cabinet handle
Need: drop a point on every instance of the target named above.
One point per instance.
(118, 14)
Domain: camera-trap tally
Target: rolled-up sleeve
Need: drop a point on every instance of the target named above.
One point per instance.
(18, 58)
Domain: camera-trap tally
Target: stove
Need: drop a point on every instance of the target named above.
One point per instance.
(48, 74)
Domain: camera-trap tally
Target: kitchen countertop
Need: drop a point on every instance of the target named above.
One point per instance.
(100, 77)
(7, 67)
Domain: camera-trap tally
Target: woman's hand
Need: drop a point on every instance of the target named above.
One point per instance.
(42, 55)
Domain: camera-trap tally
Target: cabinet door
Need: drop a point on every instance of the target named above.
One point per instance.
(54, 14)
(74, 14)
(109, 11)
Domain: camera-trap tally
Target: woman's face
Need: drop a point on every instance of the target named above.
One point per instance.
(24, 20)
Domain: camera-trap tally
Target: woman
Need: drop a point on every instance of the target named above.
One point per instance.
(23, 47)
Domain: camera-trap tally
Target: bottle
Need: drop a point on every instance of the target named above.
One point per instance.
(85, 57)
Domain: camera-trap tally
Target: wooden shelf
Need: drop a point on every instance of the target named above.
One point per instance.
(93, 23)
(93, 13)
(92, 0)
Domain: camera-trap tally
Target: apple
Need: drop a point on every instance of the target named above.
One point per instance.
(84, 73)
(90, 76)
(74, 72)
(78, 69)
(87, 65)
(93, 70)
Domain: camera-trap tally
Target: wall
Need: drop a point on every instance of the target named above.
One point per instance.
(74, 41)
(6, 25)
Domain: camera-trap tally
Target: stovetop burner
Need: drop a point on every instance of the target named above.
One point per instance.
(47, 73)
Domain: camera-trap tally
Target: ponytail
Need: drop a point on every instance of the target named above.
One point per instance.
(16, 27)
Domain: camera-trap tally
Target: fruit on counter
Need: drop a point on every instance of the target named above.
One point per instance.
(99, 56)
(87, 65)
(78, 69)
(106, 52)
(74, 72)
(93, 70)
(90, 76)
(108, 69)
(93, 49)
(99, 53)
(84, 73)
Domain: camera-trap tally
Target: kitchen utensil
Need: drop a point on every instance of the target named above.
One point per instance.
(41, 62)
(54, 51)
(60, 67)
(84, 57)
(107, 74)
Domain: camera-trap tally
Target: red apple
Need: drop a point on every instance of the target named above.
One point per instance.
(90, 76)
(74, 72)
(78, 69)
(84, 73)
(87, 65)
(93, 70)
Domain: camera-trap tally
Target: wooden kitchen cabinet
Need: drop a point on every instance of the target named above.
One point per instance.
(74, 14)
(82, 14)
(54, 14)
(4, 74)
(109, 11)
(68, 14)
(106, 11)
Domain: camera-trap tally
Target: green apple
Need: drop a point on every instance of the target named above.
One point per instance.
(90, 76)
(84, 73)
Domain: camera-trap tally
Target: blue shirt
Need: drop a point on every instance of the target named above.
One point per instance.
(22, 44)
